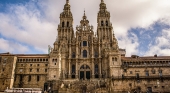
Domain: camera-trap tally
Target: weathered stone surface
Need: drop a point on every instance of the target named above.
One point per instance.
(85, 62)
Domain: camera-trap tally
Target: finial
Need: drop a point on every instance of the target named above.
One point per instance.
(84, 12)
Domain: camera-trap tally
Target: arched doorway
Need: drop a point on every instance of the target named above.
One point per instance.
(84, 72)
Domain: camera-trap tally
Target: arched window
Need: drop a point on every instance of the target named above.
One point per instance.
(67, 24)
(62, 24)
(106, 23)
(102, 23)
(84, 53)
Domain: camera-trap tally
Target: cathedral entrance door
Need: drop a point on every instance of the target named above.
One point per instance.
(84, 72)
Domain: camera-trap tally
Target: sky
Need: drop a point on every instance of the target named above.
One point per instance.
(142, 27)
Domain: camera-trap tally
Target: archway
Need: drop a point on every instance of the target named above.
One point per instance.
(84, 72)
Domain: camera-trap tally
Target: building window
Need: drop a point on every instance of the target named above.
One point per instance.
(21, 65)
(115, 59)
(137, 76)
(43, 59)
(147, 73)
(37, 59)
(30, 69)
(29, 78)
(84, 43)
(38, 78)
(3, 69)
(62, 24)
(40, 59)
(38, 70)
(106, 23)
(96, 54)
(30, 65)
(67, 24)
(96, 71)
(21, 77)
(102, 24)
(34, 60)
(131, 72)
(84, 53)
(38, 65)
(73, 71)
(45, 70)
(47, 60)
(54, 76)
(73, 55)
(46, 65)
(153, 71)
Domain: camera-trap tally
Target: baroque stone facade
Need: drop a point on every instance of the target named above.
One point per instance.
(85, 61)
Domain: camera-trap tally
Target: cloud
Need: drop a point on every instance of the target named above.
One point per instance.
(162, 45)
(7, 45)
(27, 26)
(35, 23)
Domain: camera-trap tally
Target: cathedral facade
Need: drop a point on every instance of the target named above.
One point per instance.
(83, 61)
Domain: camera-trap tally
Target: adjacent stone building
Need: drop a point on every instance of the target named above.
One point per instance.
(84, 61)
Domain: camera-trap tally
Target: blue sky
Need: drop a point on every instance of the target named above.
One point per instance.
(142, 27)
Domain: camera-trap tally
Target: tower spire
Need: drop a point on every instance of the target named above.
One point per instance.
(84, 16)
(67, 1)
(102, 1)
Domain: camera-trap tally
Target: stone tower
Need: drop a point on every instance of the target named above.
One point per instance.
(108, 45)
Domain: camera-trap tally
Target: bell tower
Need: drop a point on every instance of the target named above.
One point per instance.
(65, 28)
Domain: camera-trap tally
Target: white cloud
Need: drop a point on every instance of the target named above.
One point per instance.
(12, 46)
(162, 46)
(37, 27)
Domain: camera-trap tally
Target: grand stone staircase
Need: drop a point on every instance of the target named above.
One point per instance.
(83, 86)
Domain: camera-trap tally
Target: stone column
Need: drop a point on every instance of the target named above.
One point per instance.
(93, 68)
(76, 68)
(100, 69)
(69, 69)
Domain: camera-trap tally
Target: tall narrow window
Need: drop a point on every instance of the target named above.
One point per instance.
(102, 24)
(29, 78)
(84, 53)
(62, 24)
(45, 70)
(73, 71)
(137, 76)
(147, 73)
(106, 23)
(96, 71)
(21, 77)
(160, 73)
(67, 24)
(38, 78)
(73, 55)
